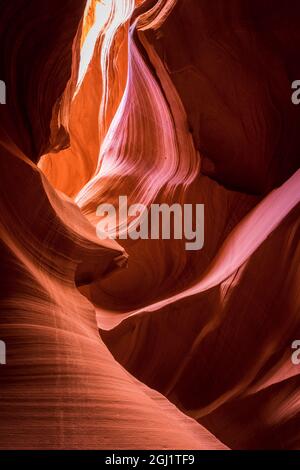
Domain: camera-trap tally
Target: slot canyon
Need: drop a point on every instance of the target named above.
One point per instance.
(123, 343)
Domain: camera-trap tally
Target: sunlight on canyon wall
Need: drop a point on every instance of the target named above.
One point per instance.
(141, 343)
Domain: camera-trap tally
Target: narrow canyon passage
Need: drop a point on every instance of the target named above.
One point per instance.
(138, 342)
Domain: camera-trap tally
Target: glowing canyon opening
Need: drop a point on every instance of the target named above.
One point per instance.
(140, 341)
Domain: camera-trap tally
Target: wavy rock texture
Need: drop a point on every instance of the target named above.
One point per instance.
(142, 344)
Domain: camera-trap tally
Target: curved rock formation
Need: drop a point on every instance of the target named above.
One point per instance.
(141, 343)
